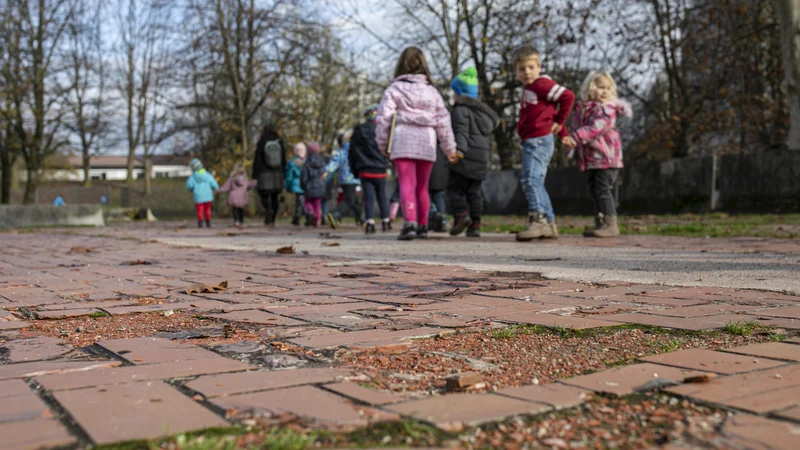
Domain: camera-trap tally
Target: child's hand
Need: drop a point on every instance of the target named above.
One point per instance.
(556, 128)
(324, 176)
(453, 158)
(569, 142)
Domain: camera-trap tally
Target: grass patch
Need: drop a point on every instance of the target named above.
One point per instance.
(503, 333)
(517, 330)
(740, 328)
(97, 314)
(671, 345)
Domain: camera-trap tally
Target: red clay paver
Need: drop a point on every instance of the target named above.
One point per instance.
(703, 310)
(774, 350)
(149, 350)
(144, 410)
(36, 349)
(627, 379)
(754, 391)
(39, 368)
(792, 312)
(66, 313)
(557, 395)
(792, 414)
(364, 395)
(258, 317)
(355, 337)
(452, 412)
(711, 361)
(13, 388)
(22, 407)
(35, 434)
(305, 401)
(760, 433)
(237, 383)
(128, 374)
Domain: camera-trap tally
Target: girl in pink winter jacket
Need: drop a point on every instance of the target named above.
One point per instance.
(596, 144)
(238, 198)
(422, 120)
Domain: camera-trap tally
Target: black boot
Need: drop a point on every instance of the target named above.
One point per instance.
(474, 230)
(408, 233)
(370, 228)
(422, 232)
(208, 223)
(461, 223)
(199, 224)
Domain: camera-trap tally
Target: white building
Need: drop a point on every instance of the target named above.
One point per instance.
(113, 168)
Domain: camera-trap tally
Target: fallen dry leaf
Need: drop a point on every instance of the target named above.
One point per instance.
(139, 262)
(705, 378)
(206, 288)
(79, 250)
(228, 233)
(348, 275)
(330, 244)
(286, 250)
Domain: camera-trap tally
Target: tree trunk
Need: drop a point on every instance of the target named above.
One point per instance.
(5, 188)
(87, 179)
(32, 183)
(147, 189)
(788, 12)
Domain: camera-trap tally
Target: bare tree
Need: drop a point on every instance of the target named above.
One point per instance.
(143, 26)
(88, 114)
(38, 27)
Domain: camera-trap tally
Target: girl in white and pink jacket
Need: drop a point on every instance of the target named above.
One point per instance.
(422, 120)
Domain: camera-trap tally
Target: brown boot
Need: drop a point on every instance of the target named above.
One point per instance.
(598, 223)
(609, 228)
(537, 228)
(553, 231)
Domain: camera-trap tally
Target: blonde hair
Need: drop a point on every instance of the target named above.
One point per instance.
(526, 52)
(590, 85)
(237, 169)
(347, 135)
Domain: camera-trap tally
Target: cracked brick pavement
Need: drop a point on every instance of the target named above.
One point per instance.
(59, 391)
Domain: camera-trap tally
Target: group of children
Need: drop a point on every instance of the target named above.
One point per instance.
(412, 127)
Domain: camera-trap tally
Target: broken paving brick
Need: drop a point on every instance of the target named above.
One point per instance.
(463, 381)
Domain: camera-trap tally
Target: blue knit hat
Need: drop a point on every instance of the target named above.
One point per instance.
(195, 164)
(466, 83)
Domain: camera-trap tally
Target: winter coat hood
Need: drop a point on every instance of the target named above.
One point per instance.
(473, 124)
(311, 176)
(202, 186)
(237, 187)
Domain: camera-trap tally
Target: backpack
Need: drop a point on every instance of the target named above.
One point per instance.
(272, 154)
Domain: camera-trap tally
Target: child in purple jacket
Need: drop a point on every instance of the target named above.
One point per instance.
(238, 198)
(596, 144)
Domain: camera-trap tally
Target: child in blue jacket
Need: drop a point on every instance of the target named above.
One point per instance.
(202, 185)
(292, 176)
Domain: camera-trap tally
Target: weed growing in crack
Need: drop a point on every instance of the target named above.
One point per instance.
(288, 439)
(504, 333)
(740, 328)
(97, 314)
(671, 345)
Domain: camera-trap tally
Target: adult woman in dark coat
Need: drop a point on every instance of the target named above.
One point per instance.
(268, 165)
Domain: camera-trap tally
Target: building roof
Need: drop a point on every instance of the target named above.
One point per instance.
(116, 161)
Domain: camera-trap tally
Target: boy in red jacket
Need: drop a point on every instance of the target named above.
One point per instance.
(544, 108)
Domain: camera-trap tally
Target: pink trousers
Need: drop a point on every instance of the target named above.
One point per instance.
(413, 176)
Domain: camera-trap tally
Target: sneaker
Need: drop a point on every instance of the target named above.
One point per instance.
(369, 229)
(332, 221)
(408, 233)
(474, 230)
(422, 232)
(537, 228)
(553, 231)
(461, 223)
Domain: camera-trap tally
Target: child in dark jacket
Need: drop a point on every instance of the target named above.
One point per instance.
(368, 163)
(313, 183)
(473, 124)
(292, 176)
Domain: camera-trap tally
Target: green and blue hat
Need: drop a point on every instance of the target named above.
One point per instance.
(466, 83)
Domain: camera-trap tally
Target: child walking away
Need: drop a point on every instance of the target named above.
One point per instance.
(348, 181)
(237, 186)
(368, 164)
(269, 160)
(202, 186)
(293, 185)
(596, 144)
(421, 120)
(437, 217)
(473, 124)
(544, 108)
(313, 184)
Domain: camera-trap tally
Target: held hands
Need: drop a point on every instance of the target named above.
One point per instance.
(453, 158)
(569, 142)
(556, 128)
(325, 176)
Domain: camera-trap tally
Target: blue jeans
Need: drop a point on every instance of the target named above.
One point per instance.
(536, 154)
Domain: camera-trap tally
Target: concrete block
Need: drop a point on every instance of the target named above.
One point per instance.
(22, 216)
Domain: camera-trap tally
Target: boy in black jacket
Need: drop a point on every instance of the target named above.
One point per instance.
(368, 163)
(473, 124)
